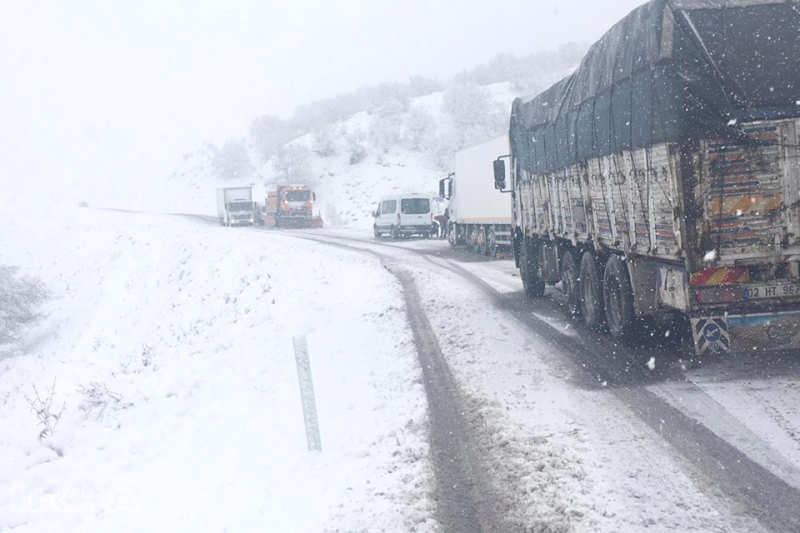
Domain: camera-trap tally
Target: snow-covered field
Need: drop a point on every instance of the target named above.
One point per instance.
(168, 345)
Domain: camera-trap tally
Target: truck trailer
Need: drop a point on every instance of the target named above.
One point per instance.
(662, 178)
(235, 206)
(479, 218)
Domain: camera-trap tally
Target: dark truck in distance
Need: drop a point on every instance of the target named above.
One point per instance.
(662, 178)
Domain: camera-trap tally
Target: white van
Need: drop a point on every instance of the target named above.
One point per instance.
(404, 215)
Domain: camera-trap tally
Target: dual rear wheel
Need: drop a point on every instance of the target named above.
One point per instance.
(599, 292)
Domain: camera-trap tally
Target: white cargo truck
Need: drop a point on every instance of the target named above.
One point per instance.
(235, 206)
(479, 217)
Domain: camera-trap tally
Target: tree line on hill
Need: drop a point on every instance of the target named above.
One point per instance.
(394, 120)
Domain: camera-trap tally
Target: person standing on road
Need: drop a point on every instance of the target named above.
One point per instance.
(443, 221)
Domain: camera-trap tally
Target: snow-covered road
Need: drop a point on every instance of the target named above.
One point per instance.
(618, 446)
(169, 341)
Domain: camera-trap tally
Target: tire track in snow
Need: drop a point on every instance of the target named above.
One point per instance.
(465, 501)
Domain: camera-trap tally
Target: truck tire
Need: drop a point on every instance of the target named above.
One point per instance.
(481, 241)
(395, 232)
(472, 238)
(491, 242)
(533, 285)
(570, 285)
(618, 299)
(590, 292)
(377, 233)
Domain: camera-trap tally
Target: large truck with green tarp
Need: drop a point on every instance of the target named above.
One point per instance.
(662, 178)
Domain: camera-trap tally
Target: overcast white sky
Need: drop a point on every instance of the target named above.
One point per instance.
(121, 89)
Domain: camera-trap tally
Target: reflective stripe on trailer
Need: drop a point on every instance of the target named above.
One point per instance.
(714, 276)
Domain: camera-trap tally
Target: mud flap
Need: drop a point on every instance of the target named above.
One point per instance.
(711, 335)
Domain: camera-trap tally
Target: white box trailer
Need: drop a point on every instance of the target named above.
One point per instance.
(235, 206)
(479, 217)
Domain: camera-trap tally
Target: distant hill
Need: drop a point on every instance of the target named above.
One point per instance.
(389, 142)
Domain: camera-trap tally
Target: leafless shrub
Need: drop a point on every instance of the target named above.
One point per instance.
(97, 398)
(43, 407)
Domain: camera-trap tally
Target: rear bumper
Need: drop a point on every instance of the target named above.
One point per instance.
(426, 228)
(777, 330)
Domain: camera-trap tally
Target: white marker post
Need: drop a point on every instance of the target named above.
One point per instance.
(307, 393)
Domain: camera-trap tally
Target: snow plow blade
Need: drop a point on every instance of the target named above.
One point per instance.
(315, 223)
(301, 223)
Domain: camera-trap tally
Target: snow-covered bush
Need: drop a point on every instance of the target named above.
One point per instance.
(97, 398)
(357, 150)
(471, 105)
(384, 131)
(21, 298)
(357, 153)
(324, 142)
(420, 126)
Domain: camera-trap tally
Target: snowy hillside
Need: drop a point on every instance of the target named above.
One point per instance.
(402, 149)
(168, 345)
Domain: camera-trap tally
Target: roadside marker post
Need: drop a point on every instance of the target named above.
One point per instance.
(307, 393)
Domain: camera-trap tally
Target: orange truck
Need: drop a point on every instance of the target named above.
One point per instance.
(291, 206)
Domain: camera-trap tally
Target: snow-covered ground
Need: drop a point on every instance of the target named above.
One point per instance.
(168, 344)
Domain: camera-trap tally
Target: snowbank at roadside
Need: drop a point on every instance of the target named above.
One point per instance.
(169, 344)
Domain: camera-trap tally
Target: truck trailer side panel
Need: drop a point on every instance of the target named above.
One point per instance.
(474, 199)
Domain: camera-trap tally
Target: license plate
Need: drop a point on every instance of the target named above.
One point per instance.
(754, 292)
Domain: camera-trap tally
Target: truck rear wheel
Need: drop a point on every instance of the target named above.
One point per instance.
(618, 298)
(570, 278)
(481, 241)
(533, 285)
(491, 242)
(472, 238)
(590, 292)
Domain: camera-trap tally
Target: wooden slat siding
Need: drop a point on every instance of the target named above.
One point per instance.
(743, 191)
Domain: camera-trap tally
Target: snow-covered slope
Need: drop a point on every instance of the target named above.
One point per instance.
(347, 192)
(169, 344)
